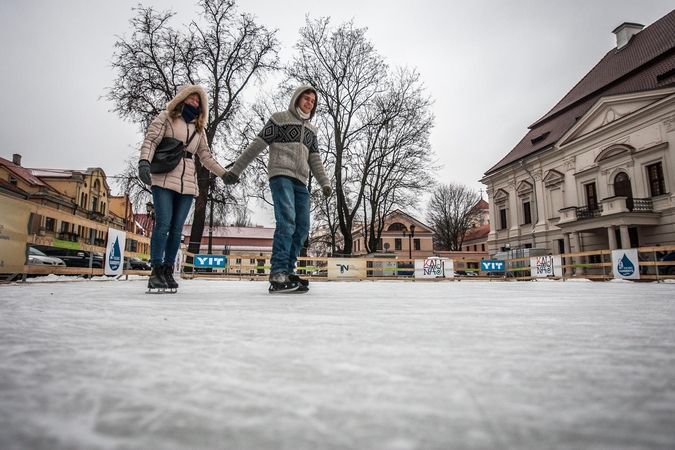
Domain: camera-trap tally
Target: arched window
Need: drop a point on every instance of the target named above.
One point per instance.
(623, 188)
(397, 226)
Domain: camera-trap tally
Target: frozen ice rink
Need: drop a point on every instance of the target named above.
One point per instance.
(360, 365)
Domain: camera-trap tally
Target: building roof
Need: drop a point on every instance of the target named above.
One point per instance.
(477, 233)
(646, 62)
(482, 205)
(25, 174)
(236, 232)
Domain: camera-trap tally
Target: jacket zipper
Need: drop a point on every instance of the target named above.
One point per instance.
(182, 175)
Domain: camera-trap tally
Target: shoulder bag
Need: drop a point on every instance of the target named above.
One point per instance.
(168, 154)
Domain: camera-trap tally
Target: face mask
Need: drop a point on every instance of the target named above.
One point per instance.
(189, 113)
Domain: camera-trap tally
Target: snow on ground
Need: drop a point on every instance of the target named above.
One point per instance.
(349, 365)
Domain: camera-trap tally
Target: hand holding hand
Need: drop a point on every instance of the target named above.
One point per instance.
(327, 191)
(230, 178)
(144, 171)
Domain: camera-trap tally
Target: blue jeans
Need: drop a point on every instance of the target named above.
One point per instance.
(171, 210)
(291, 211)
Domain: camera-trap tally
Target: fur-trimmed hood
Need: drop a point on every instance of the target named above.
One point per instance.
(296, 96)
(184, 92)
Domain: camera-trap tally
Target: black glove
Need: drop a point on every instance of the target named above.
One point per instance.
(327, 191)
(144, 171)
(230, 178)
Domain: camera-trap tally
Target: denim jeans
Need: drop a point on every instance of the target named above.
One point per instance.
(291, 212)
(171, 210)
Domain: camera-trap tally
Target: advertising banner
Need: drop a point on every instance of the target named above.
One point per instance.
(346, 269)
(114, 252)
(13, 235)
(625, 264)
(434, 268)
(546, 266)
(212, 261)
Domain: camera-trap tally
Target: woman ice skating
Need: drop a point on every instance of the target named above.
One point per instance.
(172, 192)
(293, 152)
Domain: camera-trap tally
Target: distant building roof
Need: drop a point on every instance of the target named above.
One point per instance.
(477, 233)
(25, 174)
(236, 232)
(646, 62)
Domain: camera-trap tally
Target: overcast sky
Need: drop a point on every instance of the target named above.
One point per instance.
(492, 67)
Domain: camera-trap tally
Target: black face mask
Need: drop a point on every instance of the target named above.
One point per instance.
(189, 113)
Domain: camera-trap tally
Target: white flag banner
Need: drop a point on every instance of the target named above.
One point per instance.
(114, 253)
(434, 268)
(546, 266)
(625, 264)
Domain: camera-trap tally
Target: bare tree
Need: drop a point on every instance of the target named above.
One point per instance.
(362, 112)
(452, 212)
(396, 162)
(224, 53)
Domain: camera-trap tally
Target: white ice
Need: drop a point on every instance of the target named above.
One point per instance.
(349, 365)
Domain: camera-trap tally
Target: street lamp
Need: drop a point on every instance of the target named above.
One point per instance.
(410, 236)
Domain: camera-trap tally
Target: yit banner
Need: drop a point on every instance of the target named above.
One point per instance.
(625, 264)
(492, 265)
(114, 253)
(212, 261)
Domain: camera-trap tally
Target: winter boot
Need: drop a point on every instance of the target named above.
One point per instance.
(156, 280)
(170, 280)
(280, 283)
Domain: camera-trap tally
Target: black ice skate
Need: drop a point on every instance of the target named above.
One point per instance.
(171, 283)
(280, 283)
(296, 279)
(157, 282)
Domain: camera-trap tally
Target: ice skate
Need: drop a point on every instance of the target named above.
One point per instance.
(172, 285)
(296, 279)
(280, 283)
(156, 282)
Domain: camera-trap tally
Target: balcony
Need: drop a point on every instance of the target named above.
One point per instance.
(607, 207)
(584, 212)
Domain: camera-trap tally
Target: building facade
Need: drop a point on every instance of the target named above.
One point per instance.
(598, 170)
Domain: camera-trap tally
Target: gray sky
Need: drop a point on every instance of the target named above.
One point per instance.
(492, 67)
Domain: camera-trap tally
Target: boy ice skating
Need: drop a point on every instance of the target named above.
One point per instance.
(293, 152)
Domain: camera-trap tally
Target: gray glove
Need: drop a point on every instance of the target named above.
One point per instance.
(144, 171)
(327, 191)
(230, 178)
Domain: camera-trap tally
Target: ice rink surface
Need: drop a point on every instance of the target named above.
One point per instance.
(349, 365)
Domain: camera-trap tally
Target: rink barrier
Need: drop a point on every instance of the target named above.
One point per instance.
(16, 235)
(575, 266)
(592, 265)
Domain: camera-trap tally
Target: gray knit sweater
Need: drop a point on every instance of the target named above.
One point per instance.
(294, 149)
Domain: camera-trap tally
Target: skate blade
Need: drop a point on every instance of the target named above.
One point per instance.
(155, 291)
(283, 289)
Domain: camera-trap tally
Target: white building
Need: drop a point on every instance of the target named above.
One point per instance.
(598, 170)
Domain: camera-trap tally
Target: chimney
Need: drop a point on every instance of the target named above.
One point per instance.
(16, 159)
(625, 32)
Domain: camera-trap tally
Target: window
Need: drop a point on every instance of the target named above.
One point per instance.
(527, 215)
(49, 224)
(12, 180)
(591, 197)
(398, 245)
(502, 219)
(251, 261)
(482, 247)
(416, 244)
(657, 185)
(475, 247)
